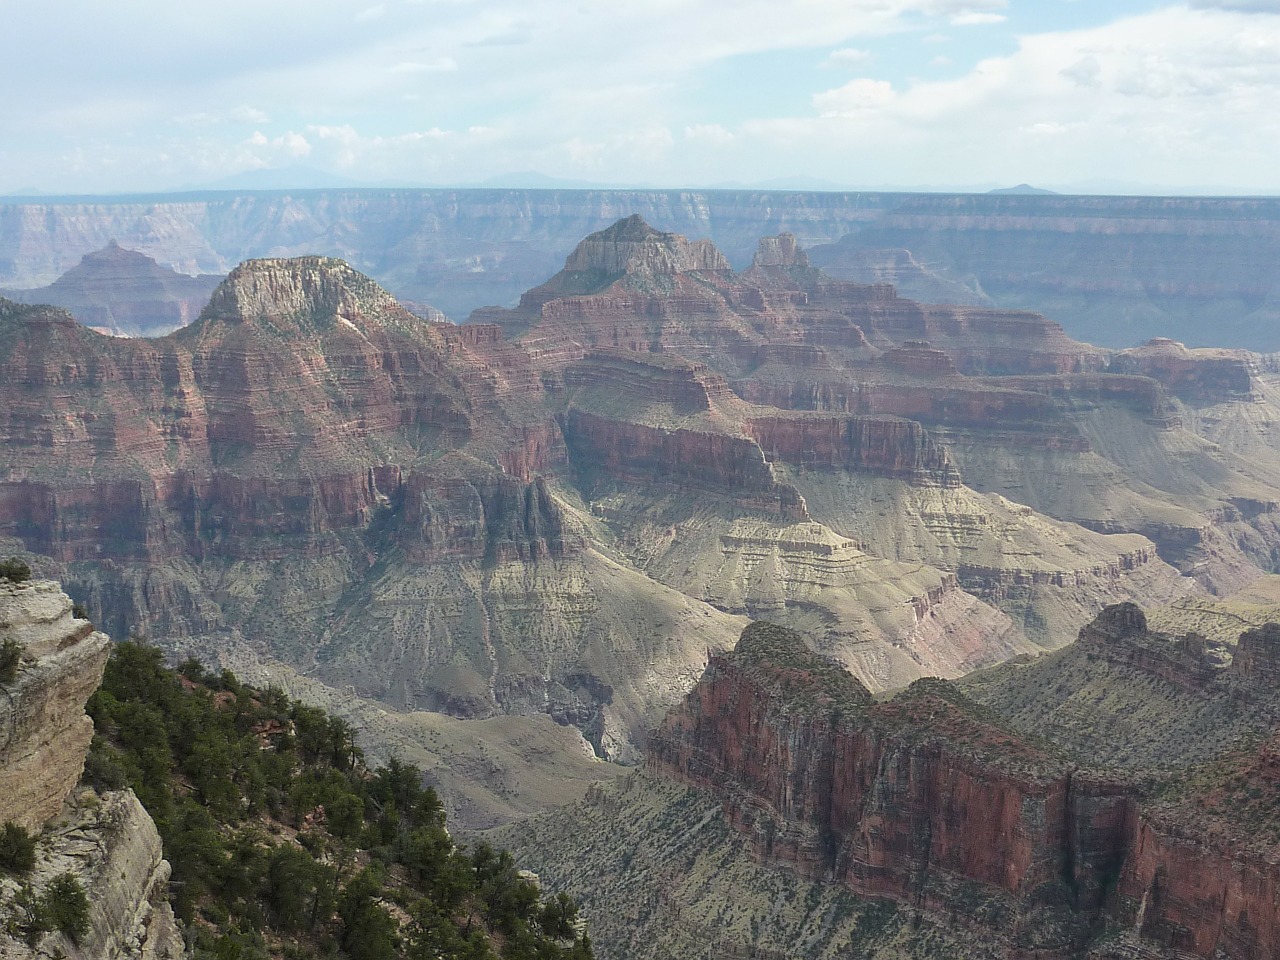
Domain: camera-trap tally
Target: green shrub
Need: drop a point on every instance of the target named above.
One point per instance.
(14, 570)
(17, 849)
(10, 657)
(66, 906)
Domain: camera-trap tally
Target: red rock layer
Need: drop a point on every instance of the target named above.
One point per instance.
(1196, 898)
(651, 378)
(634, 452)
(929, 800)
(290, 411)
(492, 518)
(884, 447)
(1199, 376)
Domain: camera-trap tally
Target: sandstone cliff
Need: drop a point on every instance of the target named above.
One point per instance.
(107, 842)
(47, 733)
(932, 801)
(305, 452)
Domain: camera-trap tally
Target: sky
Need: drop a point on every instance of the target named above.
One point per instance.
(1075, 95)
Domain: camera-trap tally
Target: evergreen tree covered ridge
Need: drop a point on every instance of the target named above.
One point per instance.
(285, 844)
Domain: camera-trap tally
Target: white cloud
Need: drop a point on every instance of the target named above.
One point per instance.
(1183, 91)
(292, 145)
(1087, 71)
(854, 98)
(247, 114)
(847, 57)
(710, 133)
(1174, 96)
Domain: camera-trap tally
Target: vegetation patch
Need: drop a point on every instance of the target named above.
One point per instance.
(284, 843)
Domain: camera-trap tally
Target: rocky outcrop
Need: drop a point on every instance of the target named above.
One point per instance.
(1198, 376)
(1120, 635)
(1256, 661)
(125, 293)
(901, 449)
(929, 800)
(634, 248)
(46, 731)
(108, 842)
(490, 518)
(638, 453)
(819, 776)
(779, 251)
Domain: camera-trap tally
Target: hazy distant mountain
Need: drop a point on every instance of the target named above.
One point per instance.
(533, 180)
(295, 177)
(1023, 190)
(124, 292)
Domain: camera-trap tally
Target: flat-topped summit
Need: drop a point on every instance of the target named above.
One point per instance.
(631, 246)
(315, 293)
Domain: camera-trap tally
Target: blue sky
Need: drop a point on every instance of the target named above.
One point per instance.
(139, 95)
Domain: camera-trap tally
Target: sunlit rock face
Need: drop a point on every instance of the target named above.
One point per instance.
(108, 842)
(930, 800)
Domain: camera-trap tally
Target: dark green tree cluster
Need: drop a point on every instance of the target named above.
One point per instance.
(14, 570)
(284, 843)
(63, 906)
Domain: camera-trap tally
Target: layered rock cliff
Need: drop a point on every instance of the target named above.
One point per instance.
(47, 733)
(302, 454)
(107, 842)
(1115, 270)
(125, 293)
(930, 800)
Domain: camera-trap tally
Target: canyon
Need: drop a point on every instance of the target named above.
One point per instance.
(561, 508)
(978, 835)
(1112, 270)
(519, 546)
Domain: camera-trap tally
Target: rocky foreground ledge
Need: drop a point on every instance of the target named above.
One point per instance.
(106, 841)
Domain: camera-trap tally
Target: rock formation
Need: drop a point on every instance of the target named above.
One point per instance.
(107, 842)
(309, 458)
(47, 733)
(930, 800)
(125, 293)
(1116, 270)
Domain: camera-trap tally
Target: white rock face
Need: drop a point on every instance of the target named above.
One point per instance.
(108, 842)
(44, 732)
(111, 846)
